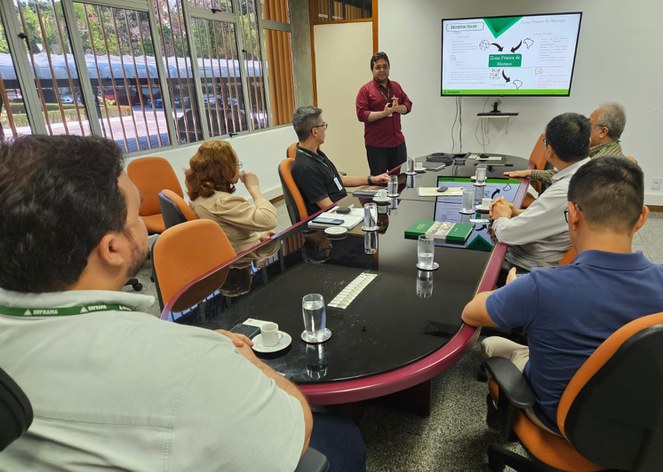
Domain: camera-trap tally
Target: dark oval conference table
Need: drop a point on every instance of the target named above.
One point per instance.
(399, 331)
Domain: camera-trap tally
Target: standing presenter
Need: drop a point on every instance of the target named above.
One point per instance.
(380, 104)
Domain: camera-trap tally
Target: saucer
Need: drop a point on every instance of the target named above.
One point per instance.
(411, 173)
(367, 229)
(394, 195)
(381, 200)
(435, 267)
(420, 170)
(335, 231)
(259, 347)
(482, 209)
(325, 336)
(462, 212)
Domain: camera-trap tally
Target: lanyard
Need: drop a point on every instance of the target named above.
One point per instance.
(63, 311)
(382, 93)
(304, 151)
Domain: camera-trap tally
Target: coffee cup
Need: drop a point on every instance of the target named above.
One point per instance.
(270, 334)
(486, 202)
(419, 166)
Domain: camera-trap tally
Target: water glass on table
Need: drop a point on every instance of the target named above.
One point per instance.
(426, 253)
(370, 217)
(480, 176)
(315, 319)
(468, 200)
(392, 186)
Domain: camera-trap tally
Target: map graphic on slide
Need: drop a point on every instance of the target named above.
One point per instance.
(516, 55)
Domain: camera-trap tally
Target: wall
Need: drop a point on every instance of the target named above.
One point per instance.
(342, 55)
(618, 59)
(259, 152)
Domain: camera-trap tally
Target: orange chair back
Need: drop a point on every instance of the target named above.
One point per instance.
(615, 399)
(538, 159)
(174, 208)
(185, 252)
(569, 256)
(151, 175)
(291, 152)
(294, 201)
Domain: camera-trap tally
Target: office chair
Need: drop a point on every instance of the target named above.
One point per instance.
(569, 256)
(174, 209)
(291, 152)
(151, 175)
(15, 411)
(186, 252)
(610, 414)
(538, 161)
(294, 201)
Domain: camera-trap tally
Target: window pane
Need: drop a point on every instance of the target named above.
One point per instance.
(224, 6)
(253, 63)
(52, 62)
(120, 58)
(216, 44)
(177, 65)
(13, 119)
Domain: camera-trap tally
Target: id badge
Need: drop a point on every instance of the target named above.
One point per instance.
(339, 185)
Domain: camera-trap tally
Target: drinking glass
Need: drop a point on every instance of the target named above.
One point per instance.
(371, 242)
(468, 200)
(392, 186)
(370, 217)
(480, 176)
(425, 252)
(315, 319)
(409, 166)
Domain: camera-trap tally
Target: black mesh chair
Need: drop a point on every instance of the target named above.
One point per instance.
(15, 411)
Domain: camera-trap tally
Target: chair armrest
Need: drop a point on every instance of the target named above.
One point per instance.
(512, 382)
(312, 461)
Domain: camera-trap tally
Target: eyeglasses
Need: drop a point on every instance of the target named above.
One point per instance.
(566, 212)
(381, 67)
(323, 125)
(545, 142)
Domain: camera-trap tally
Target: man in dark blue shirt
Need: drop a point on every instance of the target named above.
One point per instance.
(570, 310)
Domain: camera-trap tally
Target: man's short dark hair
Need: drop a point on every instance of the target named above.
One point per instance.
(304, 119)
(613, 117)
(377, 56)
(568, 134)
(610, 192)
(58, 196)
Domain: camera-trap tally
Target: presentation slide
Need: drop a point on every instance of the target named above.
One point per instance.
(515, 55)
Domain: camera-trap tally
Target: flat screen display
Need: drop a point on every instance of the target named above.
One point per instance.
(510, 55)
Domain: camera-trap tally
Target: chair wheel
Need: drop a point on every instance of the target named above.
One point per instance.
(137, 286)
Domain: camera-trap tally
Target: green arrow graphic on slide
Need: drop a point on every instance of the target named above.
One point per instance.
(498, 26)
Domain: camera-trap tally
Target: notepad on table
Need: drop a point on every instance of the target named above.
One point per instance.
(432, 192)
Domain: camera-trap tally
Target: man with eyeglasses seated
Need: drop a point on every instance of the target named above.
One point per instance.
(112, 386)
(379, 104)
(538, 236)
(608, 122)
(315, 175)
(570, 310)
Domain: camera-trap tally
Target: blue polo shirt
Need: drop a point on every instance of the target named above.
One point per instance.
(570, 310)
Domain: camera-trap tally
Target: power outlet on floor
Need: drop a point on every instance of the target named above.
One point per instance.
(656, 183)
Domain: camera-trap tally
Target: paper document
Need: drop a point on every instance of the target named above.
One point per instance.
(432, 192)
